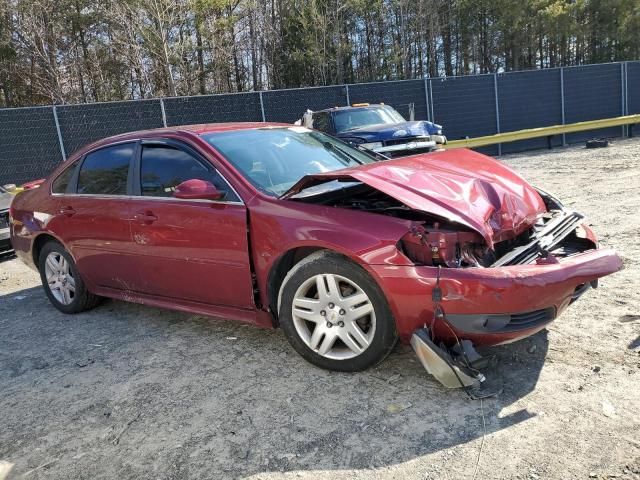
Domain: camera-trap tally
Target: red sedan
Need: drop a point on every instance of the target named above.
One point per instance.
(279, 225)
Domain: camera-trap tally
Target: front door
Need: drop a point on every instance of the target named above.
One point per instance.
(194, 250)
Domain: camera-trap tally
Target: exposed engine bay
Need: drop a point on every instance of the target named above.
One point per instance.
(435, 241)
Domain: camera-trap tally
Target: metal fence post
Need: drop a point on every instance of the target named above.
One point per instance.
(346, 87)
(264, 118)
(495, 92)
(164, 114)
(564, 136)
(622, 93)
(433, 117)
(426, 97)
(626, 91)
(55, 119)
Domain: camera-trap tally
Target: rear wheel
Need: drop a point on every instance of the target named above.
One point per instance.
(335, 315)
(61, 280)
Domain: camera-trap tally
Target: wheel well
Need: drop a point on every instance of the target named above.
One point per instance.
(278, 273)
(38, 243)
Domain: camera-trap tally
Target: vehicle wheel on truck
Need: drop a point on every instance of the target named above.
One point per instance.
(62, 282)
(334, 314)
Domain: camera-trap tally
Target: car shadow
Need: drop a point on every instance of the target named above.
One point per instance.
(196, 395)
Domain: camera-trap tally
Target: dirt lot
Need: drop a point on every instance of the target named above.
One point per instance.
(127, 391)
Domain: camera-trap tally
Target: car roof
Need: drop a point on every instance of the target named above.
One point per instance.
(204, 128)
(350, 107)
(198, 129)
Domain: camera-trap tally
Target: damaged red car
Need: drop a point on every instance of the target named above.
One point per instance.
(284, 226)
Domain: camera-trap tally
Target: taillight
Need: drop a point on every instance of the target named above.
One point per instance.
(12, 212)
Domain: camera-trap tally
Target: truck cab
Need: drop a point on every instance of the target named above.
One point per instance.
(377, 127)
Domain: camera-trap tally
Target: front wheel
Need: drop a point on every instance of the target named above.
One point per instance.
(335, 315)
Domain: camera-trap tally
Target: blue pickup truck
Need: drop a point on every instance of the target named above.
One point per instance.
(376, 127)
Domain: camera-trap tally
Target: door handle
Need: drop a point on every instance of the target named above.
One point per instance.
(146, 217)
(67, 211)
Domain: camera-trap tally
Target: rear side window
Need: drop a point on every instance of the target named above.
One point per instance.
(61, 184)
(105, 171)
(163, 168)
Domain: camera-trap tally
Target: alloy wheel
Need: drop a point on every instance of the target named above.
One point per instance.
(334, 316)
(60, 278)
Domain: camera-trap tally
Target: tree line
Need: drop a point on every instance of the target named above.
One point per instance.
(75, 51)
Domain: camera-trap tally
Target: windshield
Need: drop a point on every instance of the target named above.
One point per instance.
(274, 159)
(359, 117)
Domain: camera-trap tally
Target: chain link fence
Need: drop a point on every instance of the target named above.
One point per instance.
(34, 140)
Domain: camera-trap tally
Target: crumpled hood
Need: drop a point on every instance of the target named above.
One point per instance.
(395, 131)
(460, 185)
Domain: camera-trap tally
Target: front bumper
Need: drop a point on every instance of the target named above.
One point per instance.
(515, 301)
(406, 147)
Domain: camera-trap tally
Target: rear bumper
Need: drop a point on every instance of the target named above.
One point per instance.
(5, 240)
(490, 306)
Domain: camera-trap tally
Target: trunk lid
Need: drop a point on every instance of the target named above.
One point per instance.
(459, 185)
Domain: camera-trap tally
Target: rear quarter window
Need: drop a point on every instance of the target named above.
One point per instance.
(105, 171)
(61, 183)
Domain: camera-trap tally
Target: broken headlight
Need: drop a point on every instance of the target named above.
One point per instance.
(550, 201)
(450, 248)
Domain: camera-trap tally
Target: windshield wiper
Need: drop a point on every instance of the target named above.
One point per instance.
(372, 153)
(343, 153)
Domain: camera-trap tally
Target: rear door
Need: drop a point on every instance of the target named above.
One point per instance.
(195, 250)
(92, 215)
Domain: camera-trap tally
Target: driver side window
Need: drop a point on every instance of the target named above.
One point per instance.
(163, 168)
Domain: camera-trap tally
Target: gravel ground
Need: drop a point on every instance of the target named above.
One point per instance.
(127, 391)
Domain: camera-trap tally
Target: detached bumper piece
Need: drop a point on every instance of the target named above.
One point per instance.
(439, 363)
(455, 368)
(544, 240)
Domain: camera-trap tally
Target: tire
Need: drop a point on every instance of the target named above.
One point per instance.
(77, 298)
(597, 143)
(356, 326)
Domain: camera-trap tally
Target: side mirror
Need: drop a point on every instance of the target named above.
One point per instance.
(195, 189)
